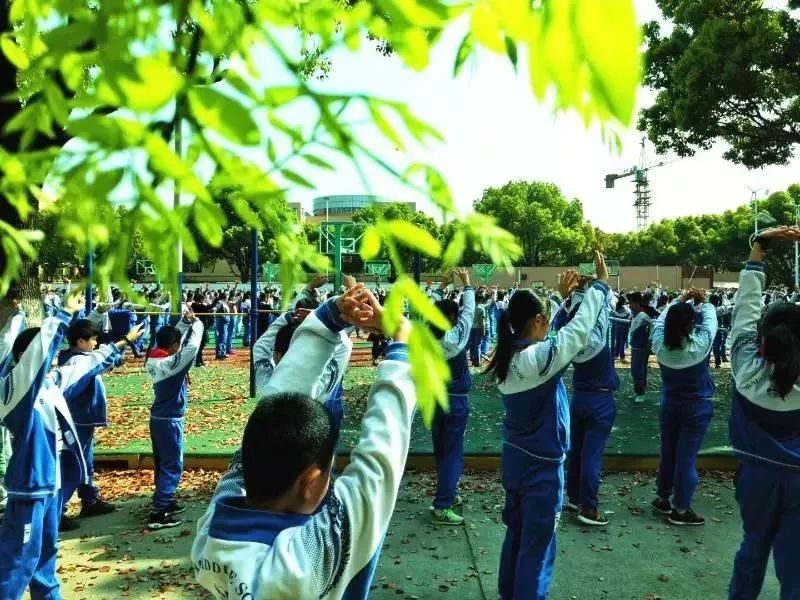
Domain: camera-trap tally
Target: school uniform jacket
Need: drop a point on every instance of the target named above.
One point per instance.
(764, 427)
(454, 343)
(639, 333)
(169, 373)
(684, 371)
(13, 327)
(86, 396)
(536, 423)
(244, 553)
(594, 365)
(33, 408)
(264, 350)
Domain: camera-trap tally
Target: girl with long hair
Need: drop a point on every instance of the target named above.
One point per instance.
(765, 429)
(528, 365)
(682, 341)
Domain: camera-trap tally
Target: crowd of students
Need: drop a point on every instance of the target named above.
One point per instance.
(282, 524)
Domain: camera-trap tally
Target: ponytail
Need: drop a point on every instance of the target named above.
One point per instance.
(523, 306)
(780, 339)
(678, 325)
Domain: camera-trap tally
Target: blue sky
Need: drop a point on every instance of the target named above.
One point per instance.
(495, 131)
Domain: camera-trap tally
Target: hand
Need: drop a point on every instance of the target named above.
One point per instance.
(600, 267)
(300, 314)
(359, 307)
(135, 333)
(568, 283)
(317, 282)
(349, 281)
(463, 275)
(74, 302)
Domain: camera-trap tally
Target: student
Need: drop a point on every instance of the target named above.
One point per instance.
(273, 529)
(478, 331)
(528, 365)
(592, 410)
(233, 321)
(449, 427)
(222, 321)
(13, 327)
(168, 365)
(682, 342)
(720, 340)
(201, 310)
(765, 429)
(643, 315)
(245, 308)
(86, 399)
(620, 325)
(33, 408)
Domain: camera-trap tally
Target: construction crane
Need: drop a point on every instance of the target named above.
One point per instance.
(641, 194)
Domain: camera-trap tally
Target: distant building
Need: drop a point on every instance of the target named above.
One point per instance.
(342, 207)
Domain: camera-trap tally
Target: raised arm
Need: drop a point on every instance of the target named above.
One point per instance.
(81, 369)
(9, 333)
(456, 339)
(264, 349)
(184, 358)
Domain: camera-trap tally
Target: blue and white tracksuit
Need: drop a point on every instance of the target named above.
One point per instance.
(535, 442)
(264, 366)
(765, 435)
(720, 340)
(447, 431)
(686, 408)
(33, 408)
(620, 326)
(592, 410)
(221, 322)
(240, 552)
(13, 327)
(86, 398)
(169, 375)
(640, 350)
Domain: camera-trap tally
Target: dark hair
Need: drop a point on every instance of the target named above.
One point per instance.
(167, 336)
(678, 324)
(286, 434)
(284, 338)
(308, 303)
(22, 342)
(523, 306)
(780, 337)
(449, 309)
(636, 298)
(82, 329)
(621, 302)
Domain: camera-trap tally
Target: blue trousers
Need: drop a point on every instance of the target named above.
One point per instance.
(28, 548)
(591, 418)
(447, 433)
(639, 358)
(718, 347)
(359, 586)
(167, 438)
(683, 425)
(221, 330)
(246, 333)
(769, 503)
(532, 510)
(475, 339)
(230, 334)
(88, 493)
(619, 339)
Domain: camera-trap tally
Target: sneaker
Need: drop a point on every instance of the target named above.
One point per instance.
(68, 524)
(458, 501)
(592, 518)
(685, 518)
(96, 508)
(571, 506)
(174, 508)
(446, 516)
(638, 399)
(662, 506)
(220, 358)
(162, 520)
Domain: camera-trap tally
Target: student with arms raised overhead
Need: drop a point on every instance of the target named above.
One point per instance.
(765, 429)
(682, 341)
(13, 327)
(528, 366)
(273, 530)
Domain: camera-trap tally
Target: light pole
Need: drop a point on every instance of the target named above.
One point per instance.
(754, 201)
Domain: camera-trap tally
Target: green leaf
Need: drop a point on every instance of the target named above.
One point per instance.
(224, 115)
(14, 53)
(146, 84)
(165, 161)
(370, 243)
(110, 132)
(384, 126)
(413, 237)
(282, 95)
(610, 38)
(242, 209)
(465, 49)
(511, 50)
(57, 103)
(317, 162)
(293, 133)
(485, 27)
(271, 152)
(296, 178)
(393, 310)
(420, 303)
(454, 251)
(429, 370)
(209, 220)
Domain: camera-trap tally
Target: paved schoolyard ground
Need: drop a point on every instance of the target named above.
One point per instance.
(638, 556)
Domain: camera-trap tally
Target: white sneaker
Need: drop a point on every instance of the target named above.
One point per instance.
(571, 506)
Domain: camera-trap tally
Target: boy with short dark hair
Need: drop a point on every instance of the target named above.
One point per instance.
(86, 398)
(168, 366)
(273, 529)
